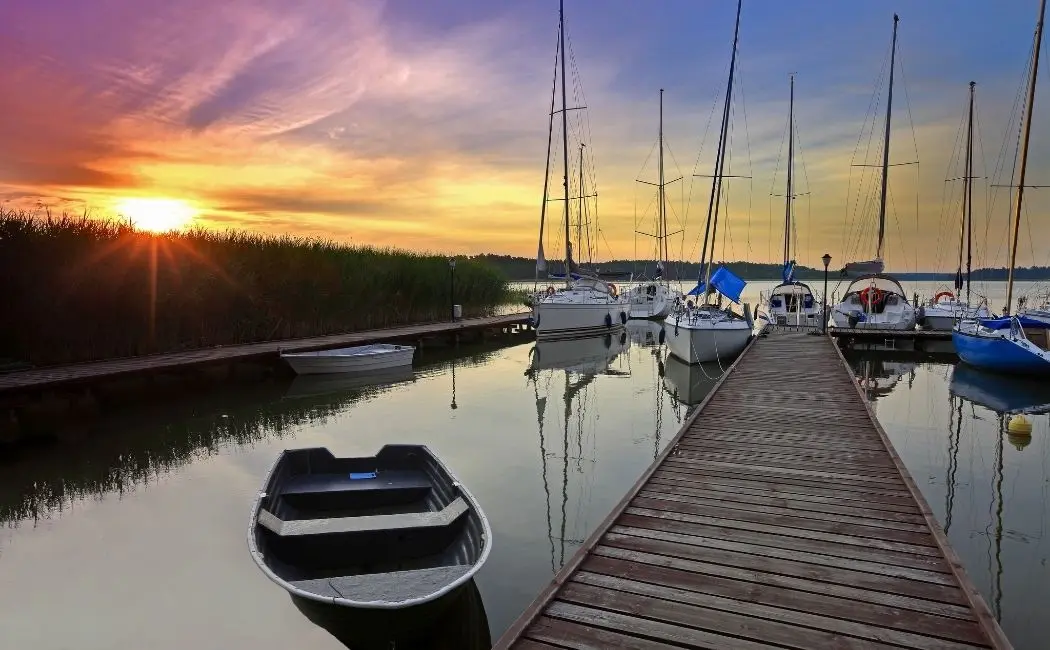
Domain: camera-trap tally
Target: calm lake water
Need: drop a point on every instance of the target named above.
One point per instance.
(133, 534)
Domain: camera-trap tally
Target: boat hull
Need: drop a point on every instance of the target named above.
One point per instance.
(897, 321)
(943, 319)
(566, 320)
(651, 301)
(1000, 354)
(350, 360)
(703, 344)
(456, 621)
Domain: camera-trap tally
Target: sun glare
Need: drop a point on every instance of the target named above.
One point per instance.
(156, 215)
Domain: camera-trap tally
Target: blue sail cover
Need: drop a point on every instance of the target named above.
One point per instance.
(698, 290)
(728, 284)
(1004, 323)
(788, 272)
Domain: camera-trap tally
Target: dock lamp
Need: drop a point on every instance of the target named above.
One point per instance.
(452, 287)
(827, 261)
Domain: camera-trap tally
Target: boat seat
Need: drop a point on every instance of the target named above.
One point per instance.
(367, 523)
(384, 480)
(393, 587)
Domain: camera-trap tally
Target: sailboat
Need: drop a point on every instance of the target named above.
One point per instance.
(701, 332)
(875, 300)
(1011, 344)
(587, 305)
(655, 299)
(946, 308)
(791, 302)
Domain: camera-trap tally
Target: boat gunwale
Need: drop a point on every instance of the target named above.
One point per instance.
(486, 546)
(384, 349)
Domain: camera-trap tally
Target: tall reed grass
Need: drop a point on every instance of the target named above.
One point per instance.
(78, 289)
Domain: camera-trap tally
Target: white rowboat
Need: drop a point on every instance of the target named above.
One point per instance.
(360, 358)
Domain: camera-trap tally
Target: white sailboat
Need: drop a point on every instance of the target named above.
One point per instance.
(946, 308)
(587, 305)
(654, 299)
(696, 333)
(790, 303)
(875, 300)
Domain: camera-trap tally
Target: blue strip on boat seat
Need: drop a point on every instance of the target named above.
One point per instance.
(361, 475)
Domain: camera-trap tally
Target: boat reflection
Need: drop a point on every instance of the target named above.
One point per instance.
(1000, 393)
(645, 333)
(689, 384)
(461, 625)
(581, 361)
(590, 355)
(878, 376)
(314, 385)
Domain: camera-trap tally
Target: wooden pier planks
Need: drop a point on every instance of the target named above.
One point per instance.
(780, 517)
(94, 370)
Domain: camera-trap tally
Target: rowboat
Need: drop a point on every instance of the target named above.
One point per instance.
(389, 532)
(359, 358)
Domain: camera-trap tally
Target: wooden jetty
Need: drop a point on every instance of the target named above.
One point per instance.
(48, 377)
(780, 516)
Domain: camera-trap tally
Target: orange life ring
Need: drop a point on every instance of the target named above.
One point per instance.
(937, 298)
(612, 290)
(870, 296)
(550, 290)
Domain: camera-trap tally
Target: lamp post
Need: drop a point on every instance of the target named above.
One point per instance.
(827, 261)
(452, 288)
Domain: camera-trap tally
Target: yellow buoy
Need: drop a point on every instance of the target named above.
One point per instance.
(1020, 426)
(1019, 442)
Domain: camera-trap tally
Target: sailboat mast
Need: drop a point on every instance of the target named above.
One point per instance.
(565, 142)
(968, 195)
(661, 229)
(541, 261)
(579, 211)
(791, 156)
(1024, 156)
(886, 142)
(716, 181)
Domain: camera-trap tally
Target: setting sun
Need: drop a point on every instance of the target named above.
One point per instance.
(156, 215)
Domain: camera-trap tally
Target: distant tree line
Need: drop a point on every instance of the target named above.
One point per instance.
(524, 268)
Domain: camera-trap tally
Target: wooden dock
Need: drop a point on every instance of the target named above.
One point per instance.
(47, 377)
(779, 517)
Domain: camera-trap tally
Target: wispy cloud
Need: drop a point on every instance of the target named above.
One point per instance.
(425, 125)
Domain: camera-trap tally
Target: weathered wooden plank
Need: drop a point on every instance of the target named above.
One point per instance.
(955, 629)
(817, 475)
(776, 552)
(745, 524)
(789, 582)
(565, 634)
(721, 622)
(530, 644)
(838, 489)
(848, 628)
(729, 495)
(745, 505)
(814, 572)
(721, 484)
(800, 460)
(787, 542)
(627, 624)
(814, 448)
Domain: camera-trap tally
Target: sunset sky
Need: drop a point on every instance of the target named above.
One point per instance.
(423, 123)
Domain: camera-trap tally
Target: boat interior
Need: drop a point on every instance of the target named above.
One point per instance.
(874, 294)
(327, 521)
(792, 298)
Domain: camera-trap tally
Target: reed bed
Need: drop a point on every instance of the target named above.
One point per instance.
(79, 289)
